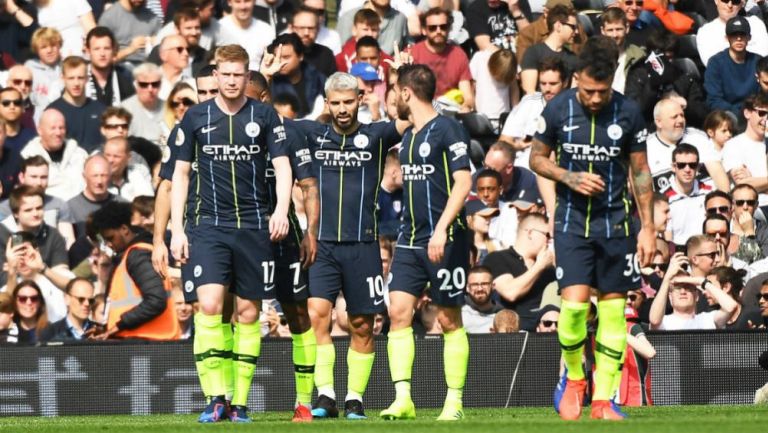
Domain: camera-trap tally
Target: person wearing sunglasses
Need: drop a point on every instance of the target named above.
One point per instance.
(77, 325)
(711, 37)
(549, 316)
(180, 98)
(145, 106)
(20, 78)
(686, 194)
(174, 55)
(751, 232)
(30, 316)
(744, 154)
(325, 36)
(186, 23)
(563, 27)
(12, 110)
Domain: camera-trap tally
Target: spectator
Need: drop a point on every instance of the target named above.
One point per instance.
(762, 74)
(15, 27)
(683, 293)
(763, 302)
(240, 27)
(64, 157)
(444, 57)
(728, 77)
(9, 332)
(174, 53)
(515, 180)
(186, 23)
(494, 22)
(685, 194)
(297, 77)
(635, 298)
(72, 18)
(276, 13)
(732, 282)
(615, 25)
(393, 24)
(180, 98)
(46, 69)
(81, 114)
(751, 232)
(108, 82)
(34, 173)
(143, 212)
(703, 255)
(128, 180)
(134, 27)
(635, 384)
(716, 227)
(563, 29)
(367, 51)
(10, 164)
(506, 322)
(521, 124)
(479, 220)
(49, 258)
(286, 105)
(523, 271)
(503, 228)
(184, 313)
(208, 26)
(538, 30)
(744, 154)
(139, 303)
(11, 112)
(325, 36)
(366, 23)
(305, 24)
(662, 216)
(145, 106)
(495, 75)
(96, 195)
(479, 310)
(547, 319)
(711, 37)
(639, 31)
(77, 324)
(390, 203)
(20, 78)
(371, 108)
(671, 132)
(720, 126)
(29, 314)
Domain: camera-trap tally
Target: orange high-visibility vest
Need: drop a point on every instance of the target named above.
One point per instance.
(124, 295)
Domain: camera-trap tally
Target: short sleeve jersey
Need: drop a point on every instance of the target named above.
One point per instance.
(596, 143)
(428, 159)
(230, 152)
(349, 168)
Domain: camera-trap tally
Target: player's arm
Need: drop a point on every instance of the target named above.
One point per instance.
(642, 184)
(179, 190)
(311, 195)
(162, 216)
(582, 182)
(278, 223)
(462, 184)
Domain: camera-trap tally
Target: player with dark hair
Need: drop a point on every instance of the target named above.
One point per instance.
(432, 246)
(229, 139)
(599, 137)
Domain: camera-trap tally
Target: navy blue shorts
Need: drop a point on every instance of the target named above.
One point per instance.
(608, 265)
(412, 270)
(238, 258)
(351, 267)
(291, 279)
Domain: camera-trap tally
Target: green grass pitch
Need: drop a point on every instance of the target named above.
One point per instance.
(672, 419)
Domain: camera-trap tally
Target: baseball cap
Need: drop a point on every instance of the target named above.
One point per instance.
(552, 3)
(366, 71)
(478, 207)
(544, 310)
(526, 198)
(737, 25)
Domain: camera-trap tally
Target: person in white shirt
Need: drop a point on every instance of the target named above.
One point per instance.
(128, 180)
(241, 28)
(744, 156)
(325, 36)
(72, 18)
(671, 131)
(174, 53)
(686, 194)
(683, 292)
(710, 39)
(495, 73)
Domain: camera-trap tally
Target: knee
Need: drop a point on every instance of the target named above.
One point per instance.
(361, 326)
(247, 314)
(449, 319)
(209, 308)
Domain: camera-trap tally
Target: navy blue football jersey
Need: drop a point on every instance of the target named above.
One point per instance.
(230, 153)
(595, 143)
(170, 151)
(349, 168)
(428, 160)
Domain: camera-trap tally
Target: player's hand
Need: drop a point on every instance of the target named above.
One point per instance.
(308, 250)
(160, 259)
(646, 246)
(584, 183)
(399, 58)
(278, 227)
(180, 247)
(436, 247)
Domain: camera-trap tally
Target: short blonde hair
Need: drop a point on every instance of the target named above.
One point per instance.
(45, 36)
(232, 53)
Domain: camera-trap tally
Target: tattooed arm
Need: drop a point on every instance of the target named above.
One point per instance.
(642, 184)
(311, 196)
(584, 183)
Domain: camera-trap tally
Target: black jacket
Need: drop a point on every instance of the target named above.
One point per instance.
(150, 284)
(60, 332)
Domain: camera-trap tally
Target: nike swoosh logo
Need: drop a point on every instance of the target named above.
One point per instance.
(378, 302)
(455, 294)
(295, 290)
(208, 129)
(269, 287)
(570, 128)
(322, 140)
(635, 279)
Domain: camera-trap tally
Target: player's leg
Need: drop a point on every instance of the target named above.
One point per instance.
(324, 286)
(408, 280)
(229, 341)
(360, 357)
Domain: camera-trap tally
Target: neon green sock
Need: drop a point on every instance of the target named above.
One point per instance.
(455, 360)
(326, 357)
(572, 333)
(304, 357)
(610, 344)
(359, 367)
(202, 370)
(210, 352)
(401, 350)
(245, 353)
(229, 341)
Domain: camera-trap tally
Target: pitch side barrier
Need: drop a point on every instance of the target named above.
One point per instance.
(504, 370)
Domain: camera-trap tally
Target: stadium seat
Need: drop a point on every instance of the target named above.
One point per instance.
(688, 66)
(686, 47)
(479, 128)
(476, 153)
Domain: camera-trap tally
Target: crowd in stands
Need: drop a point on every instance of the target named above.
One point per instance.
(91, 89)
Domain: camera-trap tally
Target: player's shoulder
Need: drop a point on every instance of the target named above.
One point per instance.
(561, 99)
(258, 109)
(377, 128)
(309, 127)
(626, 105)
